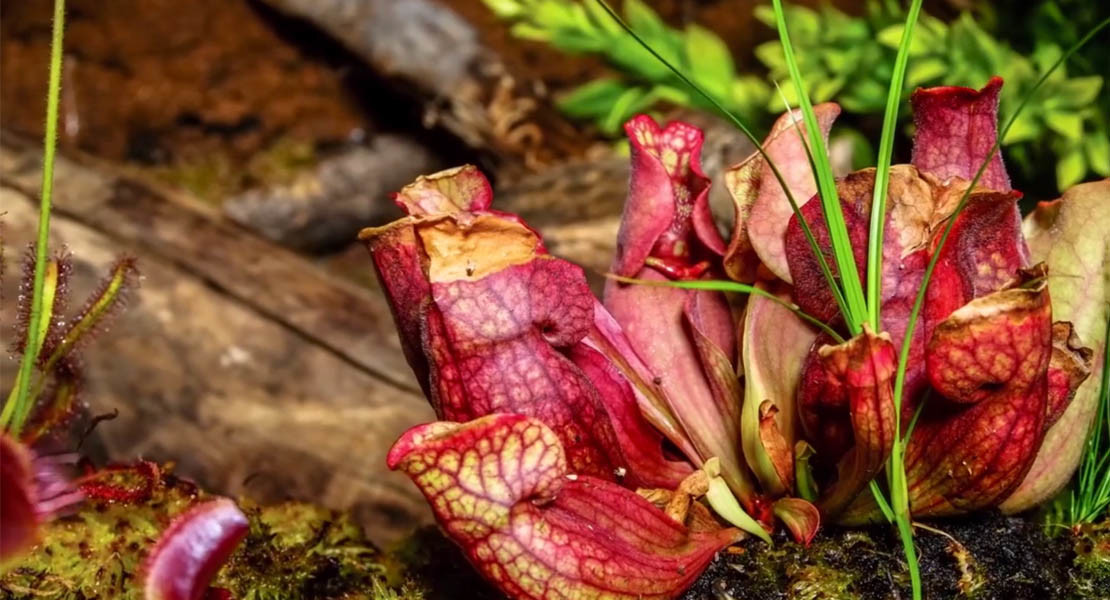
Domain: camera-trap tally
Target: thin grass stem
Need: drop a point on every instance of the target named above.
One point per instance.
(14, 418)
(732, 286)
(830, 201)
(882, 170)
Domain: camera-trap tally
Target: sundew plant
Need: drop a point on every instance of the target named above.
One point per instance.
(899, 354)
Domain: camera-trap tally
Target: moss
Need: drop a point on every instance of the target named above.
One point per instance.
(441, 569)
(302, 551)
(296, 550)
(293, 550)
(1091, 572)
(95, 552)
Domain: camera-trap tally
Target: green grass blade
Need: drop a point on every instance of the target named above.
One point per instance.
(14, 418)
(880, 501)
(732, 286)
(826, 185)
(1091, 494)
(882, 170)
(810, 239)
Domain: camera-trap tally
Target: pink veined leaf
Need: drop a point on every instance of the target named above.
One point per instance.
(956, 129)
(775, 342)
(500, 488)
(462, 189)
(667, 213)
(983, 254)
(1068, 367)
(762, 207)
(686, 338)
(192, 549)
(608, 338)
(642, 443)
(991, 358)
(801, 518)
(859, 376)
(490, 320)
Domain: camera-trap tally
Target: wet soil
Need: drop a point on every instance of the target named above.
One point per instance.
(985, 557)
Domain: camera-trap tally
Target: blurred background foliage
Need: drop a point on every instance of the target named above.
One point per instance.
(848, 58)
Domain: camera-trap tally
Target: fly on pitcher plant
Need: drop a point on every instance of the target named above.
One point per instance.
(611, 447)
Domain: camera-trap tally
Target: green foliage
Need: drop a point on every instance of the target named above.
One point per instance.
(1068, 118)
(584, 27)
(845, 50)
(850, 60)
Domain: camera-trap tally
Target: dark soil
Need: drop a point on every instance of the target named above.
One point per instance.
(993, 557)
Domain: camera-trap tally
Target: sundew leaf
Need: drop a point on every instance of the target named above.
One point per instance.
(501, 489)
(17, 407)
(1069, 234)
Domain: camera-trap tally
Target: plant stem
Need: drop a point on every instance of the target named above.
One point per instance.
(15, 418)
(898, 510)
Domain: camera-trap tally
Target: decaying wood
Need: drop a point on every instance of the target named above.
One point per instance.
(324, 207)
(351, 322)
(251, 368)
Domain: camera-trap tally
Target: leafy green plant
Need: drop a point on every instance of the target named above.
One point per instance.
(846, 58)
(582, 27)
(850, 58)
